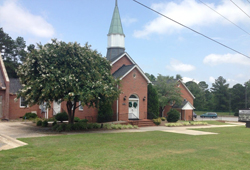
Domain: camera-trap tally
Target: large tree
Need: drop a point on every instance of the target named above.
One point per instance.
(13, 52)
(221, 95)
(168, 91)
(60, 71)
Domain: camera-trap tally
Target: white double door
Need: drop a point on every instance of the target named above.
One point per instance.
(56, 107)
(133, 110)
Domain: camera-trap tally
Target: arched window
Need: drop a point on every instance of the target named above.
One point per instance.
(133, 96)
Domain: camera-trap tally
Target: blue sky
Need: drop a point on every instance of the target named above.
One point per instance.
(158, 45)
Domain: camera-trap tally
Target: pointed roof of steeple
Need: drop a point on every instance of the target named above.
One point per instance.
(116, 25)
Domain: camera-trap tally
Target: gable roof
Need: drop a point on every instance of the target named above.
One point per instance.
(187, 88)
(117, 58)
(185, 104)
(116, 24)
(124, 70)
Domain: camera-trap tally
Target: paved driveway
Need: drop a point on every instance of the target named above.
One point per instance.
(227, 118)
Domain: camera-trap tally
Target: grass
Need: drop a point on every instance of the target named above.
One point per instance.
(149, 150)
(218, 113)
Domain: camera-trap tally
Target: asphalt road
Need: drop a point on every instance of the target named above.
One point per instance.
(233, 118)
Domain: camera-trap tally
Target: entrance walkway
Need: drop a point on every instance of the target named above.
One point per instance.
(10, 131)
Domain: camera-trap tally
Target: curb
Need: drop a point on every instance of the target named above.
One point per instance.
(10, 142)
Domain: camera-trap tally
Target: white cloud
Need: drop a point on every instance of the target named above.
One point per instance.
(193, 14)
(187, 79)
(15, 18)
(211, 79)
(216, 59)
(176, 65)
(128, 21)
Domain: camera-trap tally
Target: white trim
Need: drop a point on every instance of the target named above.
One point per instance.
(188, 106)
(123, 56)
(186, 88)
(139, 71)
(4, 69)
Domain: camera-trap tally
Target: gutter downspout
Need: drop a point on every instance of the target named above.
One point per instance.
(117, 107)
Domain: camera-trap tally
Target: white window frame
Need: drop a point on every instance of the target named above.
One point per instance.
(80, 106)
(20, 103)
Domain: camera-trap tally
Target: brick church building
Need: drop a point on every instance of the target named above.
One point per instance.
(131, 104)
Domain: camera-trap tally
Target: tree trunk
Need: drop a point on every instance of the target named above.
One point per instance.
(71, 113)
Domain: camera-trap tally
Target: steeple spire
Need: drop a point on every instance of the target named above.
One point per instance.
(116, 24)
(116, 43)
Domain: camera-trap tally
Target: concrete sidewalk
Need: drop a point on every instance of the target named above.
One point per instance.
(10, 131)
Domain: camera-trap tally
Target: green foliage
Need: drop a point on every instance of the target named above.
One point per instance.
(157, 121)
(236, 114)
(54, 123)
(60, 71)
(90, 126)
(51, 119)
(153, 101)
(151, 77)
(173, 115)
(76, 119)
(105, 112)
(168, 91)
(84, 120)
(45, 123)
(54, 127)
(14, 52)
(163, 118)
(237, 97)
(220, 91)
(30, 115)
(185, 124)
(63, 116)
(39, 123)
(96, 125)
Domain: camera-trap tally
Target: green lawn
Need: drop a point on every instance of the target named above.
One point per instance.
(229, 149)
(218, 113)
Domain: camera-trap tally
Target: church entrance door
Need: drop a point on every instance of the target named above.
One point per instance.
(133, 107)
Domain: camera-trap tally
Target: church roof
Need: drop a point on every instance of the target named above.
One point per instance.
(122, 71)
(116, 25)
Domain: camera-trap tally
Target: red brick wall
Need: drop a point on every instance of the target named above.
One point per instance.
(15, 111)
(187, 115)
(119, 63)
(185, 94)
(129, 86)
(2, 93)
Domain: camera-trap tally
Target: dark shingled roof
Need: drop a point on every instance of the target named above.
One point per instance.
(114, 53)
(15, 85)
(122, 71)
(182, 105)
(2, 83)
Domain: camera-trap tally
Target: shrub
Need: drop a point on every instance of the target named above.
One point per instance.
(107, 126)
(135, 126)
(90, 125)
(96, 126)
(61, 116)
(84, 120)
(105, 112)
(36, 120)
(186, 123)
(236, 114)
(54, 123)
(30, 115)
(39, 123)
(69, 127)
(163, 118)
(55, 127)
(83, 125)
(157, 121)
(63, 126)
(173, 115)
(119, 126)
(45, 123)
(76, 126)
(52, 119)
(130, 126)
(60, 128)
(76, 119)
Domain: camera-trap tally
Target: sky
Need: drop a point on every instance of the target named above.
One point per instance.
(157, 45)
